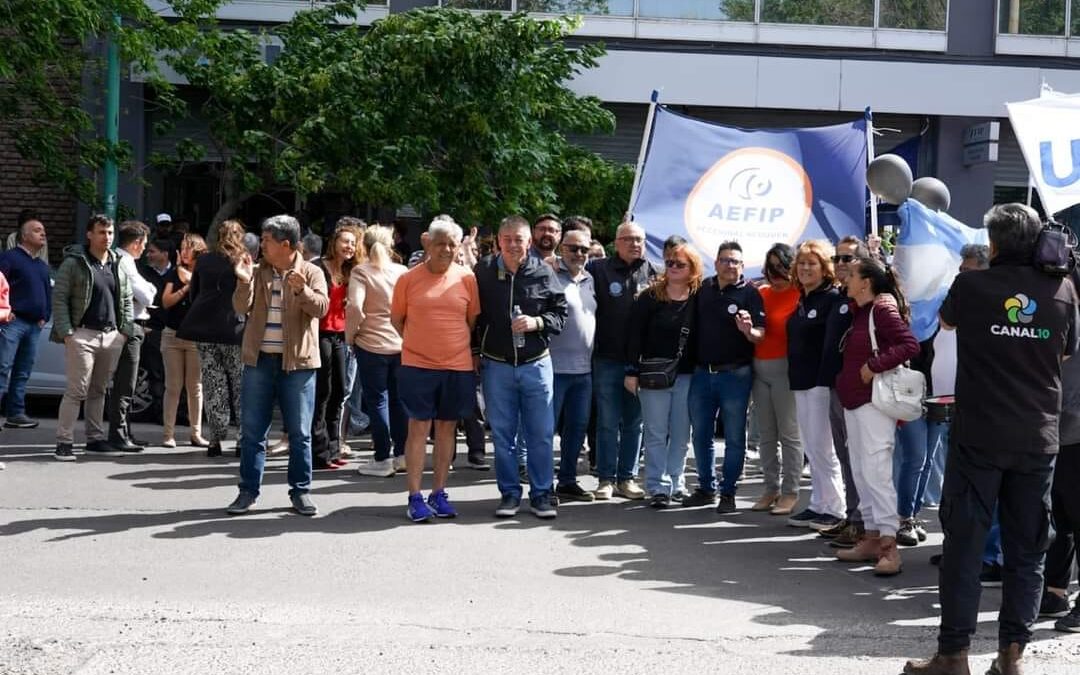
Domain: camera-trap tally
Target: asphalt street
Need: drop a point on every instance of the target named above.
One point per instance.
(130, 565)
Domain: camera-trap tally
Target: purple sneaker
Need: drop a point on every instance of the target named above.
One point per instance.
(439, 502)
(418, 510)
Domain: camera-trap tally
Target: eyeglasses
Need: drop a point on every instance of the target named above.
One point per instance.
(580, 250)
(677, 264)
(733, 262)
(631, 240)
(843, 258)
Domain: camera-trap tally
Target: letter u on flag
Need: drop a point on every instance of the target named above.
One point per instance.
(1048, 131)
(711, 183)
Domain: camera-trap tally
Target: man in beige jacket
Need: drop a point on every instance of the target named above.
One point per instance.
(283, 298)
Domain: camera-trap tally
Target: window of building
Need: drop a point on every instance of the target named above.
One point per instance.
(608, 7)
(914, 14)
(1033, 17)
(721, 10)
(504, 5)
(819, 12)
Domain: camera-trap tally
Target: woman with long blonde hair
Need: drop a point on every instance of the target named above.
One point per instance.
(813, 364)
(377, 348)
(181, 357)
(662, 328)
(217, 330)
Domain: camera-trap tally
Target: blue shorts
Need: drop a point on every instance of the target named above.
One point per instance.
(436, 394)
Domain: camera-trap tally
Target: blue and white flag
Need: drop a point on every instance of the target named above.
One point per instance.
(927, 258)
(712, 183)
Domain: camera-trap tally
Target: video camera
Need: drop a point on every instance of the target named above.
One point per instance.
(1055, 249)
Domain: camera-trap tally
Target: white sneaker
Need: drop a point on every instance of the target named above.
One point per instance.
(605, 491)
(383, 469)
(628, 489)
(399, 464)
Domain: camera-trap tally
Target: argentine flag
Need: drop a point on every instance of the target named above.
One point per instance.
(927, 258)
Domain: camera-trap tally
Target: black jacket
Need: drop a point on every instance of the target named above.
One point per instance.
(535, 290)
(617, 284)
(211, 318)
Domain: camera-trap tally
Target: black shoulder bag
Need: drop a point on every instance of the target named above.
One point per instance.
(660, 372)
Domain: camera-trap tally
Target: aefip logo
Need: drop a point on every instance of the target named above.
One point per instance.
(756, 196)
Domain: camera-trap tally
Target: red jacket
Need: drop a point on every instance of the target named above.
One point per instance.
(896, 344)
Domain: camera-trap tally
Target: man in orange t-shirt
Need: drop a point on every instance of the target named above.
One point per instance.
(434, 307)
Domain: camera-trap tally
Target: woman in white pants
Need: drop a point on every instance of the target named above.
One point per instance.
(871, 433)
(812, 369)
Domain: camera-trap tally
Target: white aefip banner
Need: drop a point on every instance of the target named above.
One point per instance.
(1048, 131)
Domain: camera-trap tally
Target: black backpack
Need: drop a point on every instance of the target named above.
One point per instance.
(1055, 250)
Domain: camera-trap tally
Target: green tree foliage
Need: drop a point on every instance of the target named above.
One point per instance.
(444, 109)
(1037, 17)
(820, 12)
(45, 52)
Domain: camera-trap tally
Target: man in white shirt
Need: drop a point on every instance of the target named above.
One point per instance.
(130, 244)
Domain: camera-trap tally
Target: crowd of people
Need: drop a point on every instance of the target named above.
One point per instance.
(540, 335)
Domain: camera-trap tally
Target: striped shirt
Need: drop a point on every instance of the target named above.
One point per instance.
(273, 341)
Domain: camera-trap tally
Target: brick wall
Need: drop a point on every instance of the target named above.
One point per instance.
(19, 190)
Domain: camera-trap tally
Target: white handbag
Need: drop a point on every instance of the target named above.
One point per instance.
(899, 392)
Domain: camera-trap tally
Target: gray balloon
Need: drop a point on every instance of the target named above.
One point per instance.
(931, 193)
(889, 177)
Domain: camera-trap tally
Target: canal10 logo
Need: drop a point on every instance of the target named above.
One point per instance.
(756, 196)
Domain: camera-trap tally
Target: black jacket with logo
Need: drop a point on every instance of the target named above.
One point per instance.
(814, 331)
(1013, 326)
(617, 284)
(535, 290)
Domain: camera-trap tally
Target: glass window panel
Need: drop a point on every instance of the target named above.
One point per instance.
(478, 4)
(608, 7)
(723, 10)
(1032, 17)
(914, 14)
(819, 12)
(1074, 31)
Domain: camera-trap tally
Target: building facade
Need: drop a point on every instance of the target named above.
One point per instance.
(930, 71)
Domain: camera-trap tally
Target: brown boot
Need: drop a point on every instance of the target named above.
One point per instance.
(785, 505)
(1009, 661)
(865, 551)
(940, 664)
(888, 563)
(766, 502)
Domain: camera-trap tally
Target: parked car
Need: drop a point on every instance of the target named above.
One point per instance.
(49, 379)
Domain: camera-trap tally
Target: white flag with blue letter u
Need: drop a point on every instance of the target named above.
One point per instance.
(1048, 131)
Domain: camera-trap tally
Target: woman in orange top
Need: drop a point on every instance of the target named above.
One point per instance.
(774, 404)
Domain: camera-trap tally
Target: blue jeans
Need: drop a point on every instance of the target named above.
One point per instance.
(521, 395)
(934, 471)
(667, 436)
(354, 400)
(916, 443)
(573, 402)
(726, 393)
(618, 423)
(262, 385)
(378, 380)
(18, 349)
(992, 549)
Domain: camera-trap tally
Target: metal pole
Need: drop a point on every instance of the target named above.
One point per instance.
(112, 118)
(870, 158)
(1014, 17)
(641, 155)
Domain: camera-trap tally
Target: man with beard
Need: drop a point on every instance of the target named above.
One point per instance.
(546, 235)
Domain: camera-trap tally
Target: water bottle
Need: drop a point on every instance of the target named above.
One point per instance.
(519, 338)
